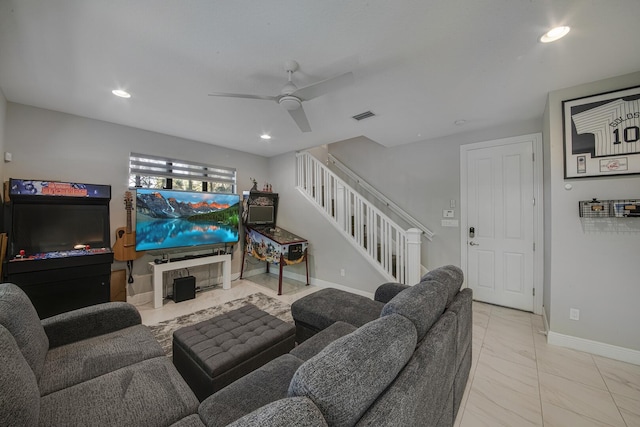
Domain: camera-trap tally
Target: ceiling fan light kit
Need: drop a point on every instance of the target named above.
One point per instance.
(291, 97)
(290, 103)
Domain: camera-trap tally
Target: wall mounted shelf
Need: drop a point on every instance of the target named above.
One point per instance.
(618, 208)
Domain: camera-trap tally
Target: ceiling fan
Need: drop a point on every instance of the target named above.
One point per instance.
(291, 97)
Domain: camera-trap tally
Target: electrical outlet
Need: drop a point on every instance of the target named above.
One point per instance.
(574, 314)
(342, 273)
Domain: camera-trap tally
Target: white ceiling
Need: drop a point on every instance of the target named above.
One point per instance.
(418, 65)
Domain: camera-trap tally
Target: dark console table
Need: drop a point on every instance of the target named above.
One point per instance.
(275, 245)
(63, 281)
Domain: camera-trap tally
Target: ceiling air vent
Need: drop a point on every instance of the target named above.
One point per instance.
(363, 116)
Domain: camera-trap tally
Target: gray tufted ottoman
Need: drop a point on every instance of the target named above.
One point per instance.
(218, 351)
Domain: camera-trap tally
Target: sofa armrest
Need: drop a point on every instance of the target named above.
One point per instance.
(387, 291)
(88, 322)
(316, 343)
(292, 411)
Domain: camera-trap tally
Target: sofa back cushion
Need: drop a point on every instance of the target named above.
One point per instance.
(422, 392)
(18, 315)
(20, 395)
(422, 304)
(450, 276)
(345, 378)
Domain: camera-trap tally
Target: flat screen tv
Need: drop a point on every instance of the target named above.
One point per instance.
(169, 219)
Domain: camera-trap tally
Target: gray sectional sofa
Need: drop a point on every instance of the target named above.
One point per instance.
(100, 366)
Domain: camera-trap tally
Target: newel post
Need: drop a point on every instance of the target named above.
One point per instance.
(413, 256)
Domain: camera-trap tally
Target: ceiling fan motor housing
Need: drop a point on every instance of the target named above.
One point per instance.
(290, 103)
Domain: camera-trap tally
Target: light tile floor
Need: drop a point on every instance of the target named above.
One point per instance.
(516, 378)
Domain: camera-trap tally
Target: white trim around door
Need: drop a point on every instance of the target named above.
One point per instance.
(538, 216)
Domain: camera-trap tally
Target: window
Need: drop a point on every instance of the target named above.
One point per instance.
(148, 171)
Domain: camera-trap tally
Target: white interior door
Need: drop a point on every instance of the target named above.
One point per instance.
(500, 207)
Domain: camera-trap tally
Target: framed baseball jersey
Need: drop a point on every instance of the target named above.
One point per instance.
(602, 134)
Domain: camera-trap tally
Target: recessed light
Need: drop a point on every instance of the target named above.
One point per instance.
(265, 136)
(121, 93)
(554, 34)
(459, 122)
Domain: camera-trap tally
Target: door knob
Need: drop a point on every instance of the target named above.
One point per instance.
(474, 244)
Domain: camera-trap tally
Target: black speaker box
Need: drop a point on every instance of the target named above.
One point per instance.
(184, 288)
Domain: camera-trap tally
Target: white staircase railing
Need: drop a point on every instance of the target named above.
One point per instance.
(393, 251)
(384, 200)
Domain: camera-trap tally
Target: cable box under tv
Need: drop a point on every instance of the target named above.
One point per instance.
(184, 288)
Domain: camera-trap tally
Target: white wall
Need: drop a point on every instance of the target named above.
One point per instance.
(595, 272)
(49, 145)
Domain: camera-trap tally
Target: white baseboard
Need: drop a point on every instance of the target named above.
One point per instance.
(545, 320)
(324, 284)
(140, 299)
(594, 347)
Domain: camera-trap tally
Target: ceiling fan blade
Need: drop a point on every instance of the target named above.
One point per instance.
(300, 118)
(325, 86)
(240, 95)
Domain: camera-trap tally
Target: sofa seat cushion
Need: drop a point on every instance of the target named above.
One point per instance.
(261, 387)
(18, 315)
(345, 378)
(149, 393)
(83, 360)
(293, 411)
(323, 308)
(422, 304)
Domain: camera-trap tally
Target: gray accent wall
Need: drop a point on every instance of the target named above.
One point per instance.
(50, 145)
(596, 272)
(423, 178)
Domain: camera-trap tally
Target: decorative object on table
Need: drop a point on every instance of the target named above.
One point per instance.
(602, 134)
